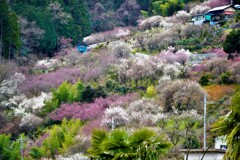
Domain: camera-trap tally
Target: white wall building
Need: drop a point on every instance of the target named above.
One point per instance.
(210, 154)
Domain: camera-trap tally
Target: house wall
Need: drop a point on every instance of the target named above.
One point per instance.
(208, 156)
(220, 142)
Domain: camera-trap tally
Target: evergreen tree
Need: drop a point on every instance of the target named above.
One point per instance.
(10, 31)
(80, 14)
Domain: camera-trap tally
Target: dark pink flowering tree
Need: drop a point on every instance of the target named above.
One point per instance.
(217, 3)
(90, 111)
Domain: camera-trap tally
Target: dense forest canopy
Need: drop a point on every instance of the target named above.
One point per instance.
(37, 26)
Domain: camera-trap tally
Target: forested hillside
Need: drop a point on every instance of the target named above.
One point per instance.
(118, 79)
(38, 26)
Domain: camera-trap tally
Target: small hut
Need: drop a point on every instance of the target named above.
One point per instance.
(82, 47)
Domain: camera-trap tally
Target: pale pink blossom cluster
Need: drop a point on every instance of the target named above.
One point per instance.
(151, 110)
(48, 63)
(182, 16)
(199, 9)
(30, 122)
(116, 33)
(180, 95)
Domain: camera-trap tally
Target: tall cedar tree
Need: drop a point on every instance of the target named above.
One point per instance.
(9, 31)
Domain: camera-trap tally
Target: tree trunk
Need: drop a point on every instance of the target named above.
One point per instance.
(1, 45)
(9, 52)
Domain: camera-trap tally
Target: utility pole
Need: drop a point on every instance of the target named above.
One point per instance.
(113, 124)
(21, 146)
(205, 116)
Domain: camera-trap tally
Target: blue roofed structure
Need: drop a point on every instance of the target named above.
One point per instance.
(82, 47)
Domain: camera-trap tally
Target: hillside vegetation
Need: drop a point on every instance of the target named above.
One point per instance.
(136, 93)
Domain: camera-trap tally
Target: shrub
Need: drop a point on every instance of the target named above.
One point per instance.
(225, 78)
(216, 66)
(232, 42)
(69, 93)
(235, 72)
(9, 87)
(199, 9)
(151, 110)
(22, 105)
(182, 16)
(9, 149)
(60, 138)
(150, 22)
(30, 122)
(89, 111)
(115, 117)
(6, 70)
(34, 85)
(217, 3)
(204, 80)
(151, 92)
(121, 50)
(180, 95)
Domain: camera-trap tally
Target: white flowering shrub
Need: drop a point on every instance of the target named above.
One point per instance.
(150, 22)
(144, 112)
(78, 156)
(120, 49)
(139, 67)
(161, 40)
(48, 63)
(199, 9)
(9, 87)
(171, 70)
(217, 65)
(180, 95)
(72, 58)
(182, 16)
(116, 33)
(22, 105)
(116, 116)
(30, 122)
(235, 71)
(192, 113)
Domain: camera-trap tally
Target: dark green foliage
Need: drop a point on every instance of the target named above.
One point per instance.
(115, 87)
(225, 78)
(43, 19)
(100, 92)
(9, 150)
(37, 11)
(204, 80)
(166, 8)
(142, 144)
(35, 153)
(144, 4)
(232, 42)
(229, 127)
(9, 31)
(69, 93)
(88, 94)
(59, 139)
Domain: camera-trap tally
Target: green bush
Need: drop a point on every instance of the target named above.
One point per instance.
(232, 42)
(151, 92)
(204, 80)
(225, 78)
(60, 138)
(9, 150)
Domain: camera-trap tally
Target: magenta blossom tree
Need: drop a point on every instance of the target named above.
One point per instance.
(90, 111)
